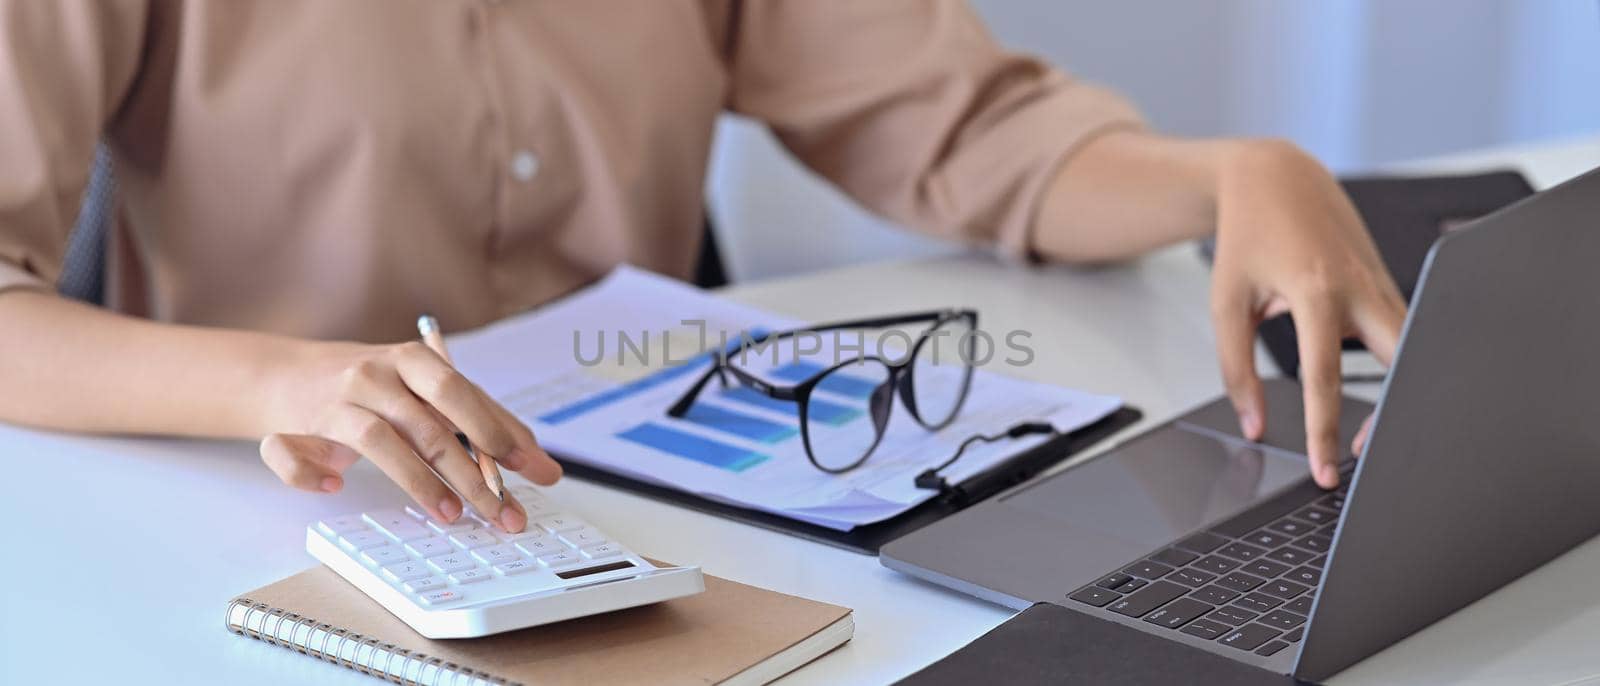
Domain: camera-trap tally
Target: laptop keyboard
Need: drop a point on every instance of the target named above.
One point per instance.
(1247, 583)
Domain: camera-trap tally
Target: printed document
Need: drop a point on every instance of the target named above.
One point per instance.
(595, 373)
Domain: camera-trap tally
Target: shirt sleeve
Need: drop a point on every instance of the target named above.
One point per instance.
(912, 109)
(64, 67)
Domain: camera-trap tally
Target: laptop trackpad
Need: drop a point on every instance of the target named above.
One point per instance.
(1160, 486)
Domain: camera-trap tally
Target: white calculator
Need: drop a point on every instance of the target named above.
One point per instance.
(471, 579)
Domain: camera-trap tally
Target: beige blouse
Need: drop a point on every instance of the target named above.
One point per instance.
(331, 168)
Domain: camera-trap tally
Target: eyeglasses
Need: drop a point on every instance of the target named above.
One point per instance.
(844, 408)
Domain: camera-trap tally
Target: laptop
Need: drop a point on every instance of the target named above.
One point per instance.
(1482, 465)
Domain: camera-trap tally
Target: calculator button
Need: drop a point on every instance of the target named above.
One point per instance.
(362, 540)
(601, 551)
(516, 566)
(407, 532)
(429, 547)
(531, 499)
(530, 532)
(470, 576)
(426, 583)
(406, 571)
(540, 546)
(385, 555)
(476, 538)
(461, 524)
(453, 562)
(398, 525)
(388, 517)
(583, 537)
(562, 559)
(559, 523)
(477, 520)
(439, 596)
(496, 554)
(333, 526)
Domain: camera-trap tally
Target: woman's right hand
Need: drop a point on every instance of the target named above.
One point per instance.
(399, 406)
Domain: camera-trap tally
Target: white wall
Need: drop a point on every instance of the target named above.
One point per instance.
(1359, 83)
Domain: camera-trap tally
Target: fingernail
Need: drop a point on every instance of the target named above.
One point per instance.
(512, 520)
(331, 484)
(1328, 475)
(549, 473)
(1250, 424)
(449, 509)
(516, 460)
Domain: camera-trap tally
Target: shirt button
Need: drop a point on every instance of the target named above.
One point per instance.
(524, 165)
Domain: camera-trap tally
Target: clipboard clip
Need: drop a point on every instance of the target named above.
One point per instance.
(980, 485)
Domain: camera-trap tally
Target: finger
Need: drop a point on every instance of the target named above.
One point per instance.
(1235, 321)
(512, 504)
(433, 439)
(375, 438)
(308, 463)
(529, 459)
(1360, 442)
(429, 377)
(1378, 323)
(1318, 328)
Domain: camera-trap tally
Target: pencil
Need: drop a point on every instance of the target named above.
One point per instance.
(429, 328)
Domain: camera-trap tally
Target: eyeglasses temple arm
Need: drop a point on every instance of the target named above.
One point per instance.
(681, 408)
(755, 382)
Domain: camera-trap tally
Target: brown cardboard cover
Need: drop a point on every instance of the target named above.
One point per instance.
(705, 638)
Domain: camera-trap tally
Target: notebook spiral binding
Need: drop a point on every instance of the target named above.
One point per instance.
(429, 671)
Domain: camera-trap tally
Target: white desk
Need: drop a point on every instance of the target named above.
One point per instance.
(122, 553)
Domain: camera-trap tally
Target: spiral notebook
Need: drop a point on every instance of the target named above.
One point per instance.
(731, 634)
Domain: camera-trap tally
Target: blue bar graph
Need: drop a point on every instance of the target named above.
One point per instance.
(692, 447)
(831, 413)
(840, 382)
(611, 395)
(606, 397)
(739, 424)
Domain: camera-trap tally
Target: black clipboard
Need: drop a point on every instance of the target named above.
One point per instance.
(868, 539)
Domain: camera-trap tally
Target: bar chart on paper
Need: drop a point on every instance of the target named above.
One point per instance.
(731, 428)
(735, 444)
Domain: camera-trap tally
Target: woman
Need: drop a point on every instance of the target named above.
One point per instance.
(300, 178)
